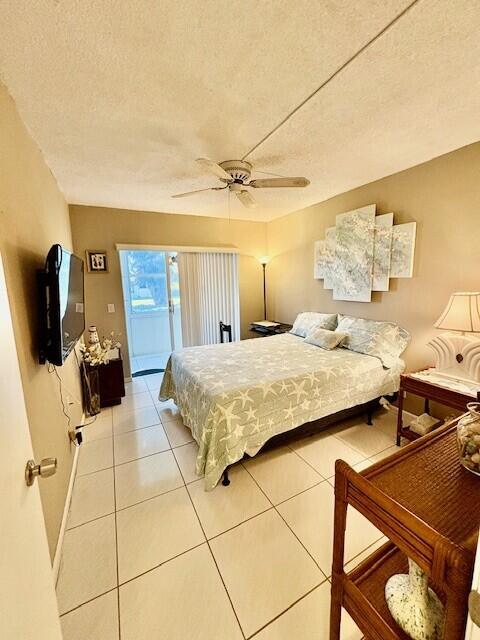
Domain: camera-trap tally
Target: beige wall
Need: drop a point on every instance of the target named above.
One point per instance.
(103, 228)
(33, 216)
(442, 196)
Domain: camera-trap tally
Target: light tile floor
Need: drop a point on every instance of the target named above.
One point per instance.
(152, 361)
(149, 554)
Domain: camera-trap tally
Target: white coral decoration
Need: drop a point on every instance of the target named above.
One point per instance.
(96, 354)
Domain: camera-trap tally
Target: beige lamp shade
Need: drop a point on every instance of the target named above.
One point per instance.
(462, 313)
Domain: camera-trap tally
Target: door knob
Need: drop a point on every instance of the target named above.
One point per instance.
(46, 468)
(474, 607)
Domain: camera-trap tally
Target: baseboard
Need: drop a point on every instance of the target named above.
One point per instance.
(61, 535)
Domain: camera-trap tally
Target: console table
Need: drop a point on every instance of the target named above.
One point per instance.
(428, 506)
(432, 387)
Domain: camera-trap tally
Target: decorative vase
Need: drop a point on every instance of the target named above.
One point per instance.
(468, 438)
(93, 335)
(413, 605)
(91, 389)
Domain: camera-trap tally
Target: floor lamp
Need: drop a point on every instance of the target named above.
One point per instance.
(263, 261)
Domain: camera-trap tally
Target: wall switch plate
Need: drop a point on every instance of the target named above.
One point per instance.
(111, 308)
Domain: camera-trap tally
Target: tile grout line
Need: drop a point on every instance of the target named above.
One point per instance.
(301, 492)
(212, 555)
(326, 578)
(147, 426)
(79, 606)
(287, 609)
(161, 564)
(235, 526)
(157, 495)
(272, 507)
(308, 463)
(116, 535)
(88, 522)
(289, 527)
(213, 537)
(104, 515)
(348, 446)
(372, 544)
(225, 587)
(149, 455)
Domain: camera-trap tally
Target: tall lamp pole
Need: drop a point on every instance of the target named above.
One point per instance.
(263, 261)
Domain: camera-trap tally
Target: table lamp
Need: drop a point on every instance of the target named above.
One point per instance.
(457, 354)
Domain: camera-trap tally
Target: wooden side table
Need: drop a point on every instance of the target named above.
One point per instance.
(426, 385)
(428, 505)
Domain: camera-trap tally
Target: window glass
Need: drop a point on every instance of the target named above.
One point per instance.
(147, 281)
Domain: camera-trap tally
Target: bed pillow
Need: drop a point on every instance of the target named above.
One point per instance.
(307, 321)
(325, 338)
(384, 340)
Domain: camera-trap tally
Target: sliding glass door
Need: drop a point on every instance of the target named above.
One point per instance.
(152, 307)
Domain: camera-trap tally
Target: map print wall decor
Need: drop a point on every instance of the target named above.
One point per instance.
(382, 251)
(403, 249)
(330, 242)
(362, 252)
(353, 265)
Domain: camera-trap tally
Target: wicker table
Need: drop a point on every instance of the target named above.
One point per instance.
(428, 505)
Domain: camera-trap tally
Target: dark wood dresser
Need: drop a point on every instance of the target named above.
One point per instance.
(428, 506)
(111, 382)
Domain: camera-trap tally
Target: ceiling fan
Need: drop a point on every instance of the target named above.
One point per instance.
(235, 174)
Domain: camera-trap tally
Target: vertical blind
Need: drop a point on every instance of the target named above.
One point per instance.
(209, 295)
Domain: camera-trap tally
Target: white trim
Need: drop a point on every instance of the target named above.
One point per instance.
(177, 248)
(128, 379)
(68, 499)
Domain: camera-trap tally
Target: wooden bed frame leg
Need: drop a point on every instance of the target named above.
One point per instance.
(225, 479)
(370, 417)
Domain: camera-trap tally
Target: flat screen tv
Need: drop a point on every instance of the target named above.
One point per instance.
(62, 305)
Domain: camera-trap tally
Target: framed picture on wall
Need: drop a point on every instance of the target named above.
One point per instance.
(97, 261)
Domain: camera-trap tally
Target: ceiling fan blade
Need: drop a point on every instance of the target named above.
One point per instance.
(246, 198)
(214, 168)
(191, 193)
(267, 183)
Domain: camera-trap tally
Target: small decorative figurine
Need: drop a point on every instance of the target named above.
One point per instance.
(93, 335)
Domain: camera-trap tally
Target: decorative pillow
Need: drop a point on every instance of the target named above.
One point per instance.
(325, 338)
(308, 320)
(384, 340)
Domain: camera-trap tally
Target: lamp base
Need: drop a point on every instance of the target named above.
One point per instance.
(457, 357)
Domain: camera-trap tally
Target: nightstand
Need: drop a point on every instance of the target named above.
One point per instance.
(271, 331)
(433, 387)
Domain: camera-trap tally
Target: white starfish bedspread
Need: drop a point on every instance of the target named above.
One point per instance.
(236, 396)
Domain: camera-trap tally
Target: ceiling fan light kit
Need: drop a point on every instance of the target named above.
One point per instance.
(235, 174)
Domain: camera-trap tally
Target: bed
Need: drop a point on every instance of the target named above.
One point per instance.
(235, 397)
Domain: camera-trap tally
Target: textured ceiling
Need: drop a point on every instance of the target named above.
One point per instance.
(122, 96)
